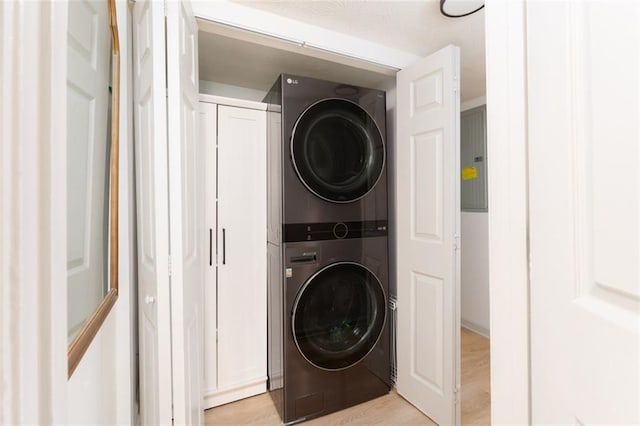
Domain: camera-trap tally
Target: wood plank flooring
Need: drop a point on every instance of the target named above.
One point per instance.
(476, 380)
(386, 410)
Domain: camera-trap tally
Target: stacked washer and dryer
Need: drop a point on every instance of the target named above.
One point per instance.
(329, 334)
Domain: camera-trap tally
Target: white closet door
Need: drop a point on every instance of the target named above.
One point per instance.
(242, 247)
(186, 212)
(150, 109)
(428, 215)
(584, 147)
(170, 212)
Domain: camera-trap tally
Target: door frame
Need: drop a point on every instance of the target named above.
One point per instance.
(505, 41)
(33, 219)
(507, 146)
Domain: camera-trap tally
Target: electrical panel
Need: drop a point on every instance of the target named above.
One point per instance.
(473, 159)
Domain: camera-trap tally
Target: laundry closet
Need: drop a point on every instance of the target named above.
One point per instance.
(242, 134)
(204, 331)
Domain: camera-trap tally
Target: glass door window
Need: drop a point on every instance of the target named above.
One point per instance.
(337, 150)
(338, 315)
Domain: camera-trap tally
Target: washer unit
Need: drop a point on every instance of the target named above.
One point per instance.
(328, 314)
(336, 349)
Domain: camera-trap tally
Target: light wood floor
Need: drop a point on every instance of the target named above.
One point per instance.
(476, 390)
(388, 409)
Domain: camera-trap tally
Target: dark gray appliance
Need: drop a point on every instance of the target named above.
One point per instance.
(328, 325)
(333, 151)
(335, 350)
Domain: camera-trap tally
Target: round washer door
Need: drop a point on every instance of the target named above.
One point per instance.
(337, 150)
(338, 315)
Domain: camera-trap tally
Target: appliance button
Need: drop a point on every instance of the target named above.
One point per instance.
(340, 230)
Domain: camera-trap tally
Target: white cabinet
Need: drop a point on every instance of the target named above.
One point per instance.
(235, 295)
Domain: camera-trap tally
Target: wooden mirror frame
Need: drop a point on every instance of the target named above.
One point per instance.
(82, 341)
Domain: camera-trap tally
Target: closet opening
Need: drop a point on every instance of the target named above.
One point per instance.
(233, 65)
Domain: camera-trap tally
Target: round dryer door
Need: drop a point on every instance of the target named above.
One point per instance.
(338, 315)
(337, 150)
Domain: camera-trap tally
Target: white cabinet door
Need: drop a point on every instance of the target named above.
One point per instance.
(428, 217)
(584, 102)
(242, 254)
(242, 246)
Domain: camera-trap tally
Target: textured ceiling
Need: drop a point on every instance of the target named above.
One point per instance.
(416, 27)
(412, 26)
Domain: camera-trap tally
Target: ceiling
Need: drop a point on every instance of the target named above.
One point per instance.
(269, 63)
(416, 27)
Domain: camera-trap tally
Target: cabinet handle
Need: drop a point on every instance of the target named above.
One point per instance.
(210, 246)
(224, 247)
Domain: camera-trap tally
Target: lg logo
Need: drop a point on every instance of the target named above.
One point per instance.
(292, 81)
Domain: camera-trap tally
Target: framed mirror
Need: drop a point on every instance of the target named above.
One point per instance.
(93, 99)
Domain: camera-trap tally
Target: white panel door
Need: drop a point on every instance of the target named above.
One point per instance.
(428, 217)
(150, 117)
(242, 247)
(89, 41)
(186, 212)
(584, 148)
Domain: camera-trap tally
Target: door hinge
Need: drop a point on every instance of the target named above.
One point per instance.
(456, 84)
(456, 395)
(456, 242)
(169, 265)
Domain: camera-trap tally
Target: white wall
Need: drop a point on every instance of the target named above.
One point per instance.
(475, 271)
(230, 91)
(101, 390)
(33, 257)
(475, 261)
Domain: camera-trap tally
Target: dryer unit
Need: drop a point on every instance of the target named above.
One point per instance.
(333, 146)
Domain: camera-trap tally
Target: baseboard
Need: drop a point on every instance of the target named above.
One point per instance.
(213, 398)
(475, 328)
